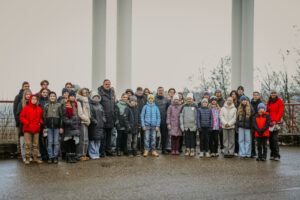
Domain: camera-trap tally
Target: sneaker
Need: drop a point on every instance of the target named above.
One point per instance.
(222, 150)
(201, 154)
(146, 152)
(192, 154)
(263, 159)
(207, 155)
(187, 152)
(177, 152)
(213, 155)
(55, 160)
(271, 158)
(276, 159)
(217, 155)
(50, 160)
(258, 159)
(235, 154)
(155, 154)
(173, 152)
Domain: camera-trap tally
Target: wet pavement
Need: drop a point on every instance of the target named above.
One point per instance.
(166, 177)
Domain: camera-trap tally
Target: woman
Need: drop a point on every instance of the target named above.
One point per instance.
(120, 124)
(236, 102)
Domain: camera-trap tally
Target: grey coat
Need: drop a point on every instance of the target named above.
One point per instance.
(188, 117)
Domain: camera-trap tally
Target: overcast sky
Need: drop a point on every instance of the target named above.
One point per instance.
(171, 40)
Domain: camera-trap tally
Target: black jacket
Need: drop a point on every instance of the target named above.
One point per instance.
(221, 102)
(141, 101)
(96, 126)
(109, 107)
(18, 122)
(132, 119)
(72, 124)
(245, 122)
(254, 104)
(162, 103)
(17, 101)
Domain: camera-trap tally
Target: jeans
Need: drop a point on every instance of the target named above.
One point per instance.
(228, 141)
(94, 146)
(131, 141)
(204, 140)
(150, 138)
(213, 141)
(245, 142)
(53, 135)
(274, 147)
(31, 139)
(262, 147)
(190, 141)
(114, 139)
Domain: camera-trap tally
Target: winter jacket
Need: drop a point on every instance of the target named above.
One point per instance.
(216, 118)
(275, 109)
(71, 119)
(141, 101)
(17, 101)
(20, 125)
(43, 101)
(31, 117)
(84, 110)
(188, 117)
(245, 122)
(261, 124)
(228, 116)
(204, 118)
(221, 102)
(108, 103)
(120, 123)
(150, 115)
(96, 127)
(173, 119)
(52, 115)
(162, 103)
(254, 105)
(132, 119)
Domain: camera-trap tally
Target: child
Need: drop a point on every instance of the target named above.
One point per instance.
(188, 124)
(133, 125)
(64, 98)
(52, 126)
(32, 119)
(261, 125)
(72, 126)
(84, 113)
(254, 103)
(96, 127)
(120, 124)
(150, 119)
(204, 124)
(214, 134)
(43, 100)
(173, 122)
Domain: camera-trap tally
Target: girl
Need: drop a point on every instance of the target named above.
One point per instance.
(85, 114)
(204, 124)
(43, 100)
(53, 126)
(72, 126)
(214, 134)
(32, 119)
(236, 103)
(96, 132)
(120, 124)
(244, 116)
(173, 122)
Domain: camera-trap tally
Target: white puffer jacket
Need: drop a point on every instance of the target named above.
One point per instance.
(84, 110)
(228, 116)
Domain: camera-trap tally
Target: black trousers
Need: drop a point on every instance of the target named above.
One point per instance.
(221, 139)
(213, 141)
(43, 146)
(70, 146)
(164, 136)
(122, 140)
(262, 147)
(190, 139)
(236, 142)
(106, 142)
(274, 147)
(204, 139)
(253, 152)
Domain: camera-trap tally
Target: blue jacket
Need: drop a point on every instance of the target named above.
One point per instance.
(204, 118)
(150, 115)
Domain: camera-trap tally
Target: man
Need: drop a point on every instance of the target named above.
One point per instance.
(163, 103)
(129, 93)
(141, 101)
(240, 91)
(45, 84)
(220, 101)
(254, 103)
(108, 103)
(69, 86)
(18, 99)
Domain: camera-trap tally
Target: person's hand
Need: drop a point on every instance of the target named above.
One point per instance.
(227, 126)
(44, 131)
(61, 131)
(157, 129)
(144, 128)
(169, 126)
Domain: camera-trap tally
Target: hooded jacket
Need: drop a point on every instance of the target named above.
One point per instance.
(275, 109)
(261, 124)
(72, 122)
(173, 119)
(52, 115)
(108, 103)
(132, 119)
(162, 103)
(120, 123)
(96, 127)
(188, 117)
(150, 115)
(228, 116)
(84, 111)
(31, 117)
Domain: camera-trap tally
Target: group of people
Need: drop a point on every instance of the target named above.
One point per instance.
(81, 124)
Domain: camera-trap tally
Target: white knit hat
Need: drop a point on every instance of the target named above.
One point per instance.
(190, 95)
(176, 97)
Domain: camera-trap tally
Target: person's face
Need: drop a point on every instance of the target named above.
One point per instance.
(256, 96)
(168, 97)
(133, 103)
(204, 104)
(160, 92)
(139, 92)
(96, 98)
(233, 95)
(72, 98)
(25, 87)
(176, 101)
(66, 94)
(34, 100)
(147, 92)
(171, 93)
(180, 96)
(240, 92)
(69, 87)
(229, 102)
(261, 110)
(244, 102)
(218, 94)
(124, 98)
(27, 95)
(151, 101)
(44, 93)
(206, 96)
(273, 95)
(214, 102)
(84, 93)
(45, 85)
(129, 94)
(189, 100)
(52, 97)
(106, 85)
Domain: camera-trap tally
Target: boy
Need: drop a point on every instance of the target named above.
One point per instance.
(150, 119)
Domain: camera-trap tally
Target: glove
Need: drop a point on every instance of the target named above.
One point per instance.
(169, 126)
(260, 133)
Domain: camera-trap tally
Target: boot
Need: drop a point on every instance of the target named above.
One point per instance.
(187, 152)
(27, 161)
(207, 154)
(73, 158)
(134, 153)
(173, 146)
(177, 146)
(192, 154)
(36, 160)
(146, 152)
(155, 154)
(201, 154)
(118, 152)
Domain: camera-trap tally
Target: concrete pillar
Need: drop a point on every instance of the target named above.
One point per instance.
(124, 38)
(99, 43)
(242, 44)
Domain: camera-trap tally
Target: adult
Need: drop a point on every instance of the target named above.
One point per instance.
(275, 107)
(228, 119)
(108, 102)
(255, 101)
(45, 85)
(163, 103)
(141, 101)
(147, 91)
(43, 100)
(129, 93)
(69, 86)
(236, 102)
(220, 101)
(18, 99)
(171, 93)
(240, 91)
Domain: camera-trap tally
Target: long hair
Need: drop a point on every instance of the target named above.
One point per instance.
(80, 92)
(235, 101)
(24, 101)
(241, 109)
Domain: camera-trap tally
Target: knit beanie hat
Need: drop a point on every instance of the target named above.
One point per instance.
(190, 95)
(261, 105)
(52, 92)
(64, 90)
(204, 100)
(213, 98)
(218, 90)
(133, 98)
(206, 93)
(176, 97)
(240, 88)
(72, 93)
(273, 91)
(95, 94)
(243, 98)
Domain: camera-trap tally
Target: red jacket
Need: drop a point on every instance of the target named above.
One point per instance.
(31, 117)
(275, 109)
(261, 124)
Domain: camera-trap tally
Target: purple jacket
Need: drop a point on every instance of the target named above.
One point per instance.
(173, 119)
